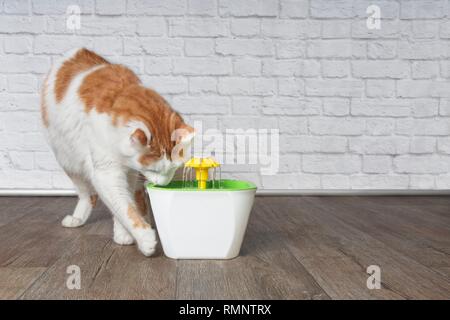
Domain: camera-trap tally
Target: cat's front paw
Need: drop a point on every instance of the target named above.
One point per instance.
(71, 222)
(147, 242)
(123, 239)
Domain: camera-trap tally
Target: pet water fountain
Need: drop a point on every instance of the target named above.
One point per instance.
(202, 218)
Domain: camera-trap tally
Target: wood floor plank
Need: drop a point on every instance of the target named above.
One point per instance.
(401, 274)
(14, 281)
(394, 230)
(265, 269)
(295, 248)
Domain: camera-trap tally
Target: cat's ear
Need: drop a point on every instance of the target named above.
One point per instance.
(184, 134)
(139, 134)
(138, 137)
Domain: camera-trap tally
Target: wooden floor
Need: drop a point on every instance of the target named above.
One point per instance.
(295, 248)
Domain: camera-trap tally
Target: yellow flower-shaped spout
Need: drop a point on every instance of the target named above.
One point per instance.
(201, 167)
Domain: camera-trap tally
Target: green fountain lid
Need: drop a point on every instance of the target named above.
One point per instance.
(225, 185)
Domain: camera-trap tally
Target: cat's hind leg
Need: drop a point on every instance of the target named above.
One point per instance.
(87, 199)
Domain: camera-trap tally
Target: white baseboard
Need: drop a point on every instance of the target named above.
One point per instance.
(263, 192)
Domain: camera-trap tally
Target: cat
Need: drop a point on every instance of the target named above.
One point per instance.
(106, 129)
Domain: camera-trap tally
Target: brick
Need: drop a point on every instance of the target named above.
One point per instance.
(422, 108)
(291, 87)
(104, 25)
(330, 49)
(19, 101)
(293, 125)
(198, 27)
(108, 46)
(288, 49)
(380, 88)
(246, 8)
(423, 127)
(421, 164)
(443, 145)
(331, 164)
(44, 44)
(381, 108)
(290, 106)
(336, 29)
(55, 7)
(17, 44)
(444, 30)
(337, 9)
(59, 180)
(379, 145)
(388, 29)
(245, 27)
(310, 144)
(337, 88)
(290, 29)
(444, 107)
(421, 49)
(389, 9)
(156, 7)
(201, 105)
(424, 29)
(46, 161)
(422, 88)
(421, 181)
(16, 7)
(166, 85)
(154, 46)
(445, 69)
(294, 8)
(110, 7)
(158, 66)
(335, 181)
(336, 107)
(420, 145)
(379, 181)
(247, 86)
(291, 181)
(199, 47)
(290, 163)
(22, 160)
(382, 49)
(289, 68)
(201, 7)
(151, 26)
(199, 85)
(423, 9)
(377, 164)
(329, 126)
(247, 67)
(21, 121)
(246, 105)
(238, 47)
(22, 24)
(24, 64)
(379, 127)
(201, 66)
(380, 69)
(22, 83)
(335, 69)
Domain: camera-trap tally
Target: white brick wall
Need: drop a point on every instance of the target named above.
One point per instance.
(357, 108)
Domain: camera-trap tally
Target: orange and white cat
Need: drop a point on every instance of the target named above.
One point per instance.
(106, 129)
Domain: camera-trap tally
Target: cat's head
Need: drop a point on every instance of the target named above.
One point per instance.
(159, 148)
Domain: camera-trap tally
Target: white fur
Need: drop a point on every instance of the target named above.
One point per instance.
(102, 159)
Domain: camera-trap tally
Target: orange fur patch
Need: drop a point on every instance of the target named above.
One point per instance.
(140, 136)
(44, 111)
(81, 61)
(93, 200)
(136, 218)
(141, 202)
(116, 90)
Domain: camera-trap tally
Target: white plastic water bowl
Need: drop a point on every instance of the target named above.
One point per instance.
(202, 224)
